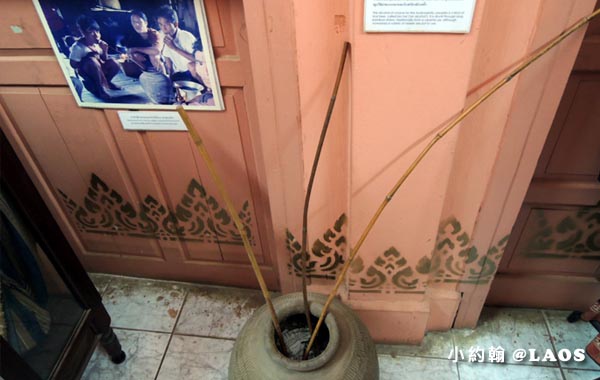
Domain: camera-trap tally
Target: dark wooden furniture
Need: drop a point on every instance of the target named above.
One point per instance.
(94, 324)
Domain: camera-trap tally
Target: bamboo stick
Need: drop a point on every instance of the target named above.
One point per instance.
(304, 254)
(421, 155)
(236, 220)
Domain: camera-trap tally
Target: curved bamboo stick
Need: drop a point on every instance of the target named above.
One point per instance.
(421, 155)
(236, 220)
(303, 253)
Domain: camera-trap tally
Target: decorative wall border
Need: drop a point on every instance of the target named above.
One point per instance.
(327, 252)
(453, 260)
(575, 236)
(389, 273)
(197, 217)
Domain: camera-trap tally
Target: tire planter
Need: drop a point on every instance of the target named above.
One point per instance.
(349, 352)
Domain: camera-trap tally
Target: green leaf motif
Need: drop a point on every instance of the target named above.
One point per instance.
(574, 236)
(357, 265)
(424, 265)
(470, 255)
(566, 225)
(105, 211)
(327, 253)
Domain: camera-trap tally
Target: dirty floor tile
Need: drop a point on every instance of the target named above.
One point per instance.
(510, 329)
(403, 367)
(434, 345)
(572, 374)
(478, 371)
(191, 358)
(143, 304)
(144, 353)
(217, 312)
(101, 281)
(571, 336)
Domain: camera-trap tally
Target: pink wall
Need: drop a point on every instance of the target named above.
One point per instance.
(319, 47)
(415, 83)
(397, 91)
(402, 89)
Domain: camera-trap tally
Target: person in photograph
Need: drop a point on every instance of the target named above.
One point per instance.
(178, 43)
(145, 62)
(144, 46)
(89, 58)
(198, 71)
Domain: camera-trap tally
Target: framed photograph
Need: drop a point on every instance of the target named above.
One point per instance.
(134, 54)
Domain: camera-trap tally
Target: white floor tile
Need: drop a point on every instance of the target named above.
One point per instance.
(510, 329)
(144, 352)
(217, 312)
(402, 367)
(478, 371)
(434, 345)
(571, 336)
(191, 358)
(143, 304)
(572, 374)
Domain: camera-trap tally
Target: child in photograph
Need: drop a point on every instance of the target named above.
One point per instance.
(89, 57)
(178, 43)
(144, 46)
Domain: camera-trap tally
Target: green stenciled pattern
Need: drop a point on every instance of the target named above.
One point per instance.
(390, 273)
(563, 234)
(197, 217)
(452, 254)
(453, 260)
(488, 263)
(326, 257)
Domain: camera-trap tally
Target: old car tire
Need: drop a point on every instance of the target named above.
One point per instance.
(350, 353)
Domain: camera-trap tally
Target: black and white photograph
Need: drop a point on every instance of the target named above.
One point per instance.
(134, 54)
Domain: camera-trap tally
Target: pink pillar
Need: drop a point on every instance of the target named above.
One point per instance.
(433, 242)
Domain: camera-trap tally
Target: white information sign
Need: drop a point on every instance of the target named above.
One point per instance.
(151, 121)
(414, 16)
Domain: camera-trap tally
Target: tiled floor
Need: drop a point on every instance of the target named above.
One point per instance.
(175, 331)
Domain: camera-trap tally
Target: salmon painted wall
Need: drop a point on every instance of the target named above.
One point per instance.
(416, 83)
(432, 255)
(402, 89)
(432, 242)
(319, 47)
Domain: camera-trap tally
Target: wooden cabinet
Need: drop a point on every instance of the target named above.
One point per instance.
(51, 314)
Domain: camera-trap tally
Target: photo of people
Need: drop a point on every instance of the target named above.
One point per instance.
(134, 54)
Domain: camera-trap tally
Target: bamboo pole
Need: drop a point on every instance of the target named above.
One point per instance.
(303, 252)
(236, 220)
(423, 153)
